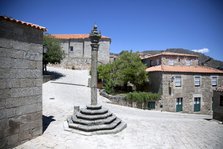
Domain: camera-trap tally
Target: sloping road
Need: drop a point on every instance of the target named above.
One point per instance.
(146, 129)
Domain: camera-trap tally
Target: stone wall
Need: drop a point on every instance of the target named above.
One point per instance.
(180, 60)
(217, 109)
(20, 83)
(175, 60)
(121, 100)
(153, 61)
(118, 99)
(187, 91)
(80, 57)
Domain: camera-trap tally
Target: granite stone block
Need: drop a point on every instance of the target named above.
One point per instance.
(20, 83)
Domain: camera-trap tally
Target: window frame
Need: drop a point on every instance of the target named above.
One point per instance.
(71, 48)
(171, 62)
(151, 63)
(157, 62)
(179, 100)
(195, 77)
(212, 77)
(188, 62)
(178, 81)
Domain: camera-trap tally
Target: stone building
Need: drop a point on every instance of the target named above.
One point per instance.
(184, 85)
(77, 49)
(218, 104)
(112, 58)
(20, 81)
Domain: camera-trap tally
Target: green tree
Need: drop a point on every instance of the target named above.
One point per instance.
(105, 73)
(128, 68)
(54, 52)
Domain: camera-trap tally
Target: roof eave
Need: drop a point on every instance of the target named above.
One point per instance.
(24, 23)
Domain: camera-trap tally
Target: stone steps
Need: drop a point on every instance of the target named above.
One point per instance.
(93, 122)
(90, 128)
(93, 117)
(93, 112)
(117, 129)
(93, 107)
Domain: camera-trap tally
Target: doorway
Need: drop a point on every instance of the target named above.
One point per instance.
(179, 104)
(197, 104)
(151, 105)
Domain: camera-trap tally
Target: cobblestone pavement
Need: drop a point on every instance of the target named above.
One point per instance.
(145, 129)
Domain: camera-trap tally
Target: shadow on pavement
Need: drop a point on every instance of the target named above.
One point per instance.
(208, 119)
(68, 83)
(52, 75)
(46, 121)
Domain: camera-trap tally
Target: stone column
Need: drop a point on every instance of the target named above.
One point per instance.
(94, 37)
(94, 60)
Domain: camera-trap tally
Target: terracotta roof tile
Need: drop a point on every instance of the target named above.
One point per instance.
(144, 56)
(23, 23)
(171, 54)
(74, 36)
(190, 69)
(154, 69)
(113, 56)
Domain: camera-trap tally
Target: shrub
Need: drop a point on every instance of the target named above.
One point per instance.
(109, 87)
(142, 97)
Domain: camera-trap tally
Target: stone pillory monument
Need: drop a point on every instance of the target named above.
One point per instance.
(94, 119)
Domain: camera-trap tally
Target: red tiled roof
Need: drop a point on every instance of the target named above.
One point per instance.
(190, 69)
(23, 23)
(171, 54)
(144, 56)
(113, 56)
(74, 36)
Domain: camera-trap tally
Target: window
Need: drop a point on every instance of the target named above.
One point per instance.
(197, 80)
(169, 90)
(188, 62)
(71, 48)
(157, 62)
(221, 100)
(171, 62)
(177, 81)
(151, 63)
(214, 80)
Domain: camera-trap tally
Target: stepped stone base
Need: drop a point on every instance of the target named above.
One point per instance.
(92, 120)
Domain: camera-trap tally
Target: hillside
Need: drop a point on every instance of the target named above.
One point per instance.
(203, 59)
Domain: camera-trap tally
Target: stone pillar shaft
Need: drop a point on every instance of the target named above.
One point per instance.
(94, 60)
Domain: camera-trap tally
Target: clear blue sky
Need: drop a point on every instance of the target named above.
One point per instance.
(131, 24)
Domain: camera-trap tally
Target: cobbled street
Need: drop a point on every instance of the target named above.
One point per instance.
(145, 129)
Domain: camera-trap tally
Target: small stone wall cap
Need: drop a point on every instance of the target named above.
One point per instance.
(219, 89)
(23, 23)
